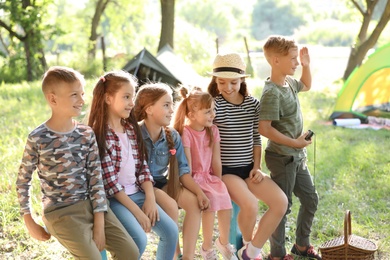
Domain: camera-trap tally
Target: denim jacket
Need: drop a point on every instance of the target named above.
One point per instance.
(158, 154)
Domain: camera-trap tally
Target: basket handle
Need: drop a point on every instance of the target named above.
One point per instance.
(347, 232)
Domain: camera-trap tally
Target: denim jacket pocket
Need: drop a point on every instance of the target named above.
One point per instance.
(162, 158)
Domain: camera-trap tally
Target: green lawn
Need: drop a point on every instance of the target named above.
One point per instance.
(351, 170)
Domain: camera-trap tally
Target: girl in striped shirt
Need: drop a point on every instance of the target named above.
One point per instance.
(237, 118)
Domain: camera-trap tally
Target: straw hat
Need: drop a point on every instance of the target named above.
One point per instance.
(229, 65)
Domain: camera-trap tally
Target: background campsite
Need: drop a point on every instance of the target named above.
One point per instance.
(350, 166)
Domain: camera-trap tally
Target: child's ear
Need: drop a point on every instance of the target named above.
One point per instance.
(107, 99)
(191, 116)
(149, 111)
(51, 98)
(275, 59)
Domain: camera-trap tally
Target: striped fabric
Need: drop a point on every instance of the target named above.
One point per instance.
(238, 128)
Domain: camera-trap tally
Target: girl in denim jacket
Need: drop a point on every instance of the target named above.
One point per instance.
(154, 108)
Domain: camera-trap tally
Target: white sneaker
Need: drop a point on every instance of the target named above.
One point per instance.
(228, 251)
(209, 254)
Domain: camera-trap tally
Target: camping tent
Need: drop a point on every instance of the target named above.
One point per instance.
(366, 92)
(148, 69)
(179, 68)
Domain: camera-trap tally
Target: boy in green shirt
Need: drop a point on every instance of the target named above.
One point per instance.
(285, 155)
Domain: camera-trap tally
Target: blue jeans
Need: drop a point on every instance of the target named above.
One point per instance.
(166, 228)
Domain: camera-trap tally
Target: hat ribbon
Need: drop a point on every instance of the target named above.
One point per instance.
(229, 69)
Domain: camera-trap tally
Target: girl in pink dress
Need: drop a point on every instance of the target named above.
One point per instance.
(194, 121)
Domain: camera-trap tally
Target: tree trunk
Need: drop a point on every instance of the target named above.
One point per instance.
(30, 75)
(359, 51)
(167, 23)
(100, 7)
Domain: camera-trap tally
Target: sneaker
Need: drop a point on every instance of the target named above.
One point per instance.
(243, 256)
(209, 254)
(309, 253)
(286, 257)
(227, 251)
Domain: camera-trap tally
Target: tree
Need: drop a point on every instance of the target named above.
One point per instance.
(273, 17)
(365, 42)
(99, 10)
(24, 22)
(167, 23)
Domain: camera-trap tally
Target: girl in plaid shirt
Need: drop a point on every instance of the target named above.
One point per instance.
(126, 177)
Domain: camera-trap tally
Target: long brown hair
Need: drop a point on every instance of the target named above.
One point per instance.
(109, 84)
(213, 87)
(192, 102)
(147, 96)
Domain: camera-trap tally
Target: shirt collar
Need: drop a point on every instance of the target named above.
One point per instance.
(145, 133)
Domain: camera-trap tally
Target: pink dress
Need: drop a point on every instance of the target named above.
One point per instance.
(201, 158)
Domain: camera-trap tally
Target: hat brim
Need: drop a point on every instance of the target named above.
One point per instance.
(228, 75)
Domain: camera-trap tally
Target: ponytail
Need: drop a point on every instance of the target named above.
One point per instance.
(173, 186)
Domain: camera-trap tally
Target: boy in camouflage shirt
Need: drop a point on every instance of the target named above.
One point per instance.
(65, 155)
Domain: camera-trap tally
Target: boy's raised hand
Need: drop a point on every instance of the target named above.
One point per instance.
(304, 56)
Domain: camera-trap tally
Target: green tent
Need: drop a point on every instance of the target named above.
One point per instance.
(366, 92)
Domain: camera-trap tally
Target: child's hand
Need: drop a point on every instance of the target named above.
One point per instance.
(256, 175)
(36, 231)
(99, 237)
(144, 221)
(39, 233)
(301, 142)
(203, 201)
(304, 57)
(150, 210)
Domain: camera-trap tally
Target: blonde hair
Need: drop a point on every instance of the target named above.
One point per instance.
(57, 74)
(192, 102)
(147, 96)
(278, 45)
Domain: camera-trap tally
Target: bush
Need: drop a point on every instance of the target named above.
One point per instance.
(330, 33)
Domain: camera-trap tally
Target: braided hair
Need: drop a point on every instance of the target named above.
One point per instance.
(146, 96)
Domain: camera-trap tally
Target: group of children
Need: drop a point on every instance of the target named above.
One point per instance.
(138, 160)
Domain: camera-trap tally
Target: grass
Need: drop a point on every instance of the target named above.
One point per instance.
(351, 171)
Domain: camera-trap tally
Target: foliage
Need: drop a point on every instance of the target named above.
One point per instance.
(193, 45)
(327, 33)
(27, 30)
(273, 17)
(130, 25)
(212, 17)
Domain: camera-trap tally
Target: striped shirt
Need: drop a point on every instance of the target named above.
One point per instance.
(111, 162)
(238, 128)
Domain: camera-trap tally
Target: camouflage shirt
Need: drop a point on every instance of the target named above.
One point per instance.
(68, 168)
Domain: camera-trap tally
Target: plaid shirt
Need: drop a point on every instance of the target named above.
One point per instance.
(111, 162)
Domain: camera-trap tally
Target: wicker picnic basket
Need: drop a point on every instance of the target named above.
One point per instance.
(348, 247)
